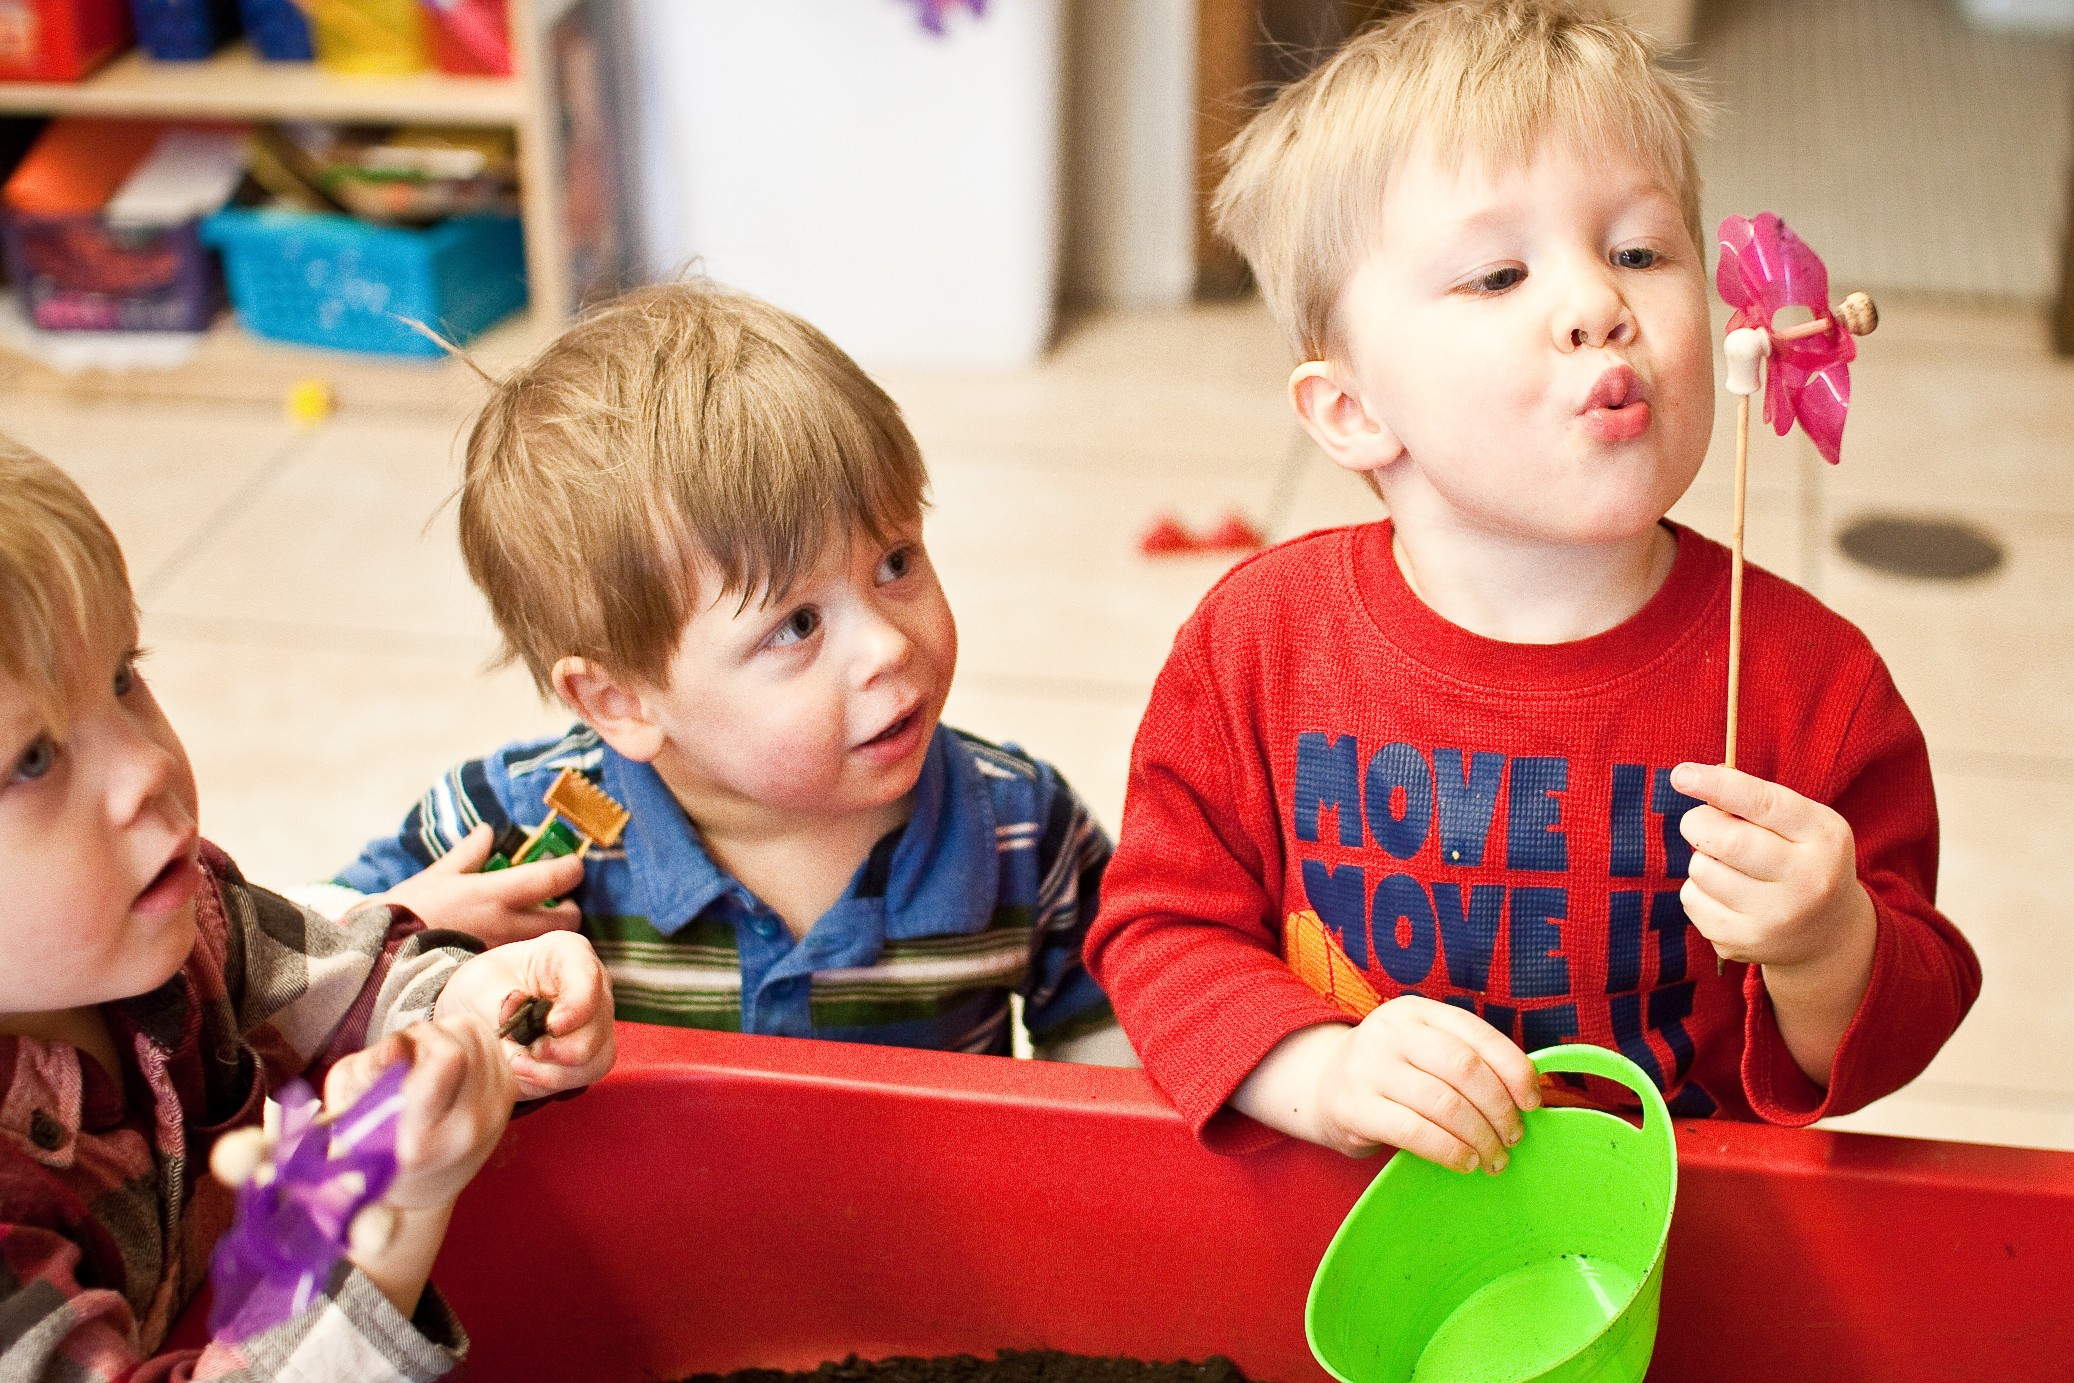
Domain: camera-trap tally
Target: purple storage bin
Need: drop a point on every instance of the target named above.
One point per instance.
(78, 273)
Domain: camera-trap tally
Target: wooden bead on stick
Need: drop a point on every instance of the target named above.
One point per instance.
(1857, 314)
(240, 1155)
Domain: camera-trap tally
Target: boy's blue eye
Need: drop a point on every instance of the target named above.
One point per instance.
(1498, 280)
(798, 626)
(38, 759)
(1635, 257)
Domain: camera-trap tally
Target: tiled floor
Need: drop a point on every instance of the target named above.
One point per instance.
(1916, 151)
(322, 653)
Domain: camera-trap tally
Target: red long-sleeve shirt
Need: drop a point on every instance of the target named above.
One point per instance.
(1493, 825)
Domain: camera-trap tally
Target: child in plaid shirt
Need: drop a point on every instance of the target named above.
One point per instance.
(150, 999)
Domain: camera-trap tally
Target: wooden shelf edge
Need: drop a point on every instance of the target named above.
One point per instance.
(231, 365)
(237, 84)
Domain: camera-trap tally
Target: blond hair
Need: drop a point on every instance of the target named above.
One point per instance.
(1492, 79)
(681, 443)
(64, 590)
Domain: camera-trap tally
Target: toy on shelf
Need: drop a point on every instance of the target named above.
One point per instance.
(101, 223)
(1765, 268)
(368, 38)
(580, 814)
(1167, 538)
(60, 40)
(470, 37)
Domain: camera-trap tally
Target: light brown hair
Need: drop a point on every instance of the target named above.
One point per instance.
(64, 590)
(681, 443)
(1489, 79)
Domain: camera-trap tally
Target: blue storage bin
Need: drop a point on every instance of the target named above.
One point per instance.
(325, 280)
(277, 29)
(184, 30)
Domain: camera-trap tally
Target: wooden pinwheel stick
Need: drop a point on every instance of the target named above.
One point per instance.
(1747, 348)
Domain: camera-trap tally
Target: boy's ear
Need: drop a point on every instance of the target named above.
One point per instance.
(609, 706)
(1339, 422)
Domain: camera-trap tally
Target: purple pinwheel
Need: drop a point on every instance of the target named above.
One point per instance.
(1765, 267)
(292, 1227)
(934, 10)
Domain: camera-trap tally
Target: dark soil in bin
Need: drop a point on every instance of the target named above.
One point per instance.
(1010, 1366)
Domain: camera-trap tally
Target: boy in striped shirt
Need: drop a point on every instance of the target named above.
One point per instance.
(698, 524)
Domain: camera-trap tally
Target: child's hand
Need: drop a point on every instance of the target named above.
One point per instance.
(456, 1101)
(561, 967)
(1419, 1075)
(498, 908)
(1774, 875)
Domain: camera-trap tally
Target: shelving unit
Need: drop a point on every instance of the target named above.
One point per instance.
(236, 85)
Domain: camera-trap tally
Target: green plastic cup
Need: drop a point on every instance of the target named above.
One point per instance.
(1549, 1271)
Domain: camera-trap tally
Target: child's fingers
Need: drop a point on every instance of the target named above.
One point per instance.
(1750, 849)
(1499, 1053)
(351, 1075)
(1725, 929)
(1730, 887)
(584, 1053)
(1377, 1119)
(1747, 796)
(531, 884)
(468, 854)
(563, 967)
(431, 1094)
(1441, 1103)
(1461, 1069)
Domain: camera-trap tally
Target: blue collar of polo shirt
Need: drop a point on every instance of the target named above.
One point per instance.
(942, 879)
(946, 868)
(672, 872)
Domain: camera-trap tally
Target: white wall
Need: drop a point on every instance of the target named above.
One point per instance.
(898, 190)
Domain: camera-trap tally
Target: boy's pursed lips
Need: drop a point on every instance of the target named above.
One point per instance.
(1617, 409)
(1618, 387)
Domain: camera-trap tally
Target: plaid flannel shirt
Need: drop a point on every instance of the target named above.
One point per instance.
(107, 1210)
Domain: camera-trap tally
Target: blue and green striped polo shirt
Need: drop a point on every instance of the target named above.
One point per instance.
(987, 891)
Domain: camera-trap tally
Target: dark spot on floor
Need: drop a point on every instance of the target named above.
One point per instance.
(1928, 549)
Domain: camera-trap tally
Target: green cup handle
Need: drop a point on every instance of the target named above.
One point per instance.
(1587, 1060)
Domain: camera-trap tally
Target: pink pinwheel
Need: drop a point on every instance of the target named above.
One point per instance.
(933, 11)
(1765, 267)
(1807, 378)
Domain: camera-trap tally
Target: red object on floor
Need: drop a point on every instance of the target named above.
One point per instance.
(1234, 534)
(60, 40)
(1166, 537)
(721, 1201)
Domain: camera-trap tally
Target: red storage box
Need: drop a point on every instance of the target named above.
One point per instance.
(721, 1201)
(60, 40)
(470, 38)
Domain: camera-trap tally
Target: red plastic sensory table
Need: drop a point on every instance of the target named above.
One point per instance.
(723, 1201)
